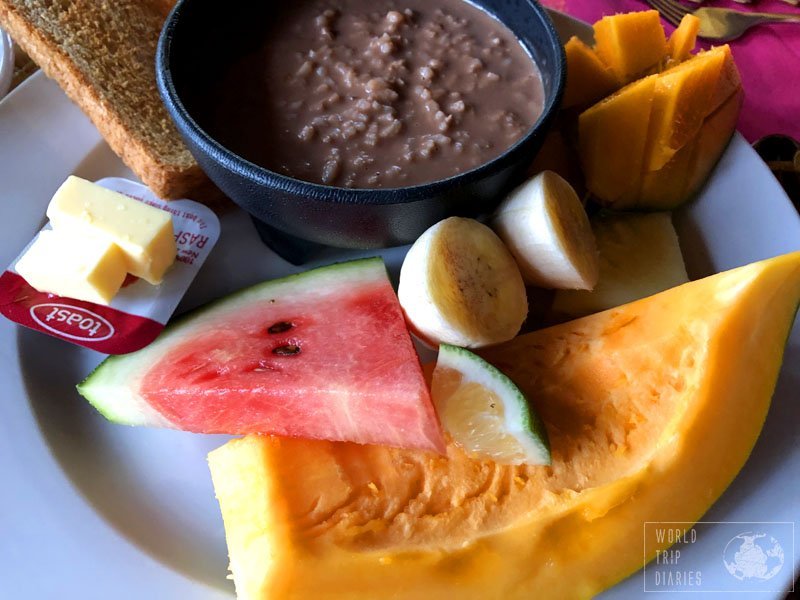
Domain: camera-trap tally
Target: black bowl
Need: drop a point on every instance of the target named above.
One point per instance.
(199, 38)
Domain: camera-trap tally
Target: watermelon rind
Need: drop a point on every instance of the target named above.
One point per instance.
(112, 388)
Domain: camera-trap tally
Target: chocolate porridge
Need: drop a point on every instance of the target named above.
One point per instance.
(377, 93)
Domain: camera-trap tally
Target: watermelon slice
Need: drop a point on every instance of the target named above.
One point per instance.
(324, 354)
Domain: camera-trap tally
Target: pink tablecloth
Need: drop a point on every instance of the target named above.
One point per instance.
(768, 57)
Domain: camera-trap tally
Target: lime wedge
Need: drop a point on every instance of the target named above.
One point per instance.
(484, 412)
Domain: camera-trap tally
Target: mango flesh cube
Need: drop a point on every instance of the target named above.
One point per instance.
(683, 98)
(712, 140)
(684, 38)
(588, 79)
(685, 173)
(728, 82)
(74, 266)
(666, 188)
(630, 44)
(143, 233)
(611, 137)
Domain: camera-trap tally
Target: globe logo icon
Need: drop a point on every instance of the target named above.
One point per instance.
(753, 556)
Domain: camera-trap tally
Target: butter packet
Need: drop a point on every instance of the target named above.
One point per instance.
(139, 311)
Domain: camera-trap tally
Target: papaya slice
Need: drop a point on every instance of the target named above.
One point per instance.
(682, 99)
(633, 398)
(588, 79)
(630, 43)
(611, 142)
(683, 39)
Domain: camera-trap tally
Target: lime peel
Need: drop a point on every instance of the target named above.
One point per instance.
(516, 418)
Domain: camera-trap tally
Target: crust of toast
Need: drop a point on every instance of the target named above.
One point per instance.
(151, 145)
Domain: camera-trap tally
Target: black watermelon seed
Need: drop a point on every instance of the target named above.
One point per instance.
(287, 350)
(280, 327)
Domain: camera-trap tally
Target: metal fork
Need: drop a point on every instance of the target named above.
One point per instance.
(720, 24)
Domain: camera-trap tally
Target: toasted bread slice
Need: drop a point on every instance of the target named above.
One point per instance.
(102, 54)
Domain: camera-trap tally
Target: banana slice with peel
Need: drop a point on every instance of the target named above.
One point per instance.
(460, 285)
(545, 227)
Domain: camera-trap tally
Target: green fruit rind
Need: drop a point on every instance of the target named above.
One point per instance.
(521, 419)
(112, 388)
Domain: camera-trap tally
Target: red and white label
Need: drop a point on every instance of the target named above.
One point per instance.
(72, 322)
(139, 311)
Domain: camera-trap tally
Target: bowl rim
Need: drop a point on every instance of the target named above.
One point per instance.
(263, 176)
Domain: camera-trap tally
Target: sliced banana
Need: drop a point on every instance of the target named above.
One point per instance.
(546, 228)
(460, 285)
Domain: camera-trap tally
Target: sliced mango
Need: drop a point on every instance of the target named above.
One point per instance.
(712, 141)
(666, 188)
(633, 399)
(588, 78)
(683, 39)
(728, 81)
(688, 169)
(663, 169)
(683, 98)
(631, 43)
(612, 136)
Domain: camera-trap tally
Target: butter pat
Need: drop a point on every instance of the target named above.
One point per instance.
(75, 266)
(143, 233)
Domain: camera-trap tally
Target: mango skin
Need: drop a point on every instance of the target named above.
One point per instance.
(309, 519)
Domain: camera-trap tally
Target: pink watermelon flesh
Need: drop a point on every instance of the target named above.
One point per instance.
(334, 364)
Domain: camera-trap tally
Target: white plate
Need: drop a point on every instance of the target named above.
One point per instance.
(6, 62)
(95, 510)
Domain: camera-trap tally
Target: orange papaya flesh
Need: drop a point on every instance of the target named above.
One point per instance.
(681, 101)
(683, 39)
(611, 142)
(632, 398)
(588, 79)
(630, 43)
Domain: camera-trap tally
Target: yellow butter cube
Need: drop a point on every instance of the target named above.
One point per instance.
(143, 233)
(81, 267)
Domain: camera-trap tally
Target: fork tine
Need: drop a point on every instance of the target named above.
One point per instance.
(677, 10)
(664, 10)
(669, 10)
